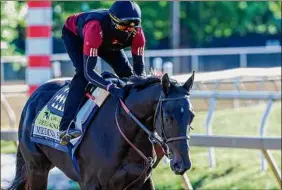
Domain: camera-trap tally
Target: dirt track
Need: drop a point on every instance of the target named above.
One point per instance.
(17, 102)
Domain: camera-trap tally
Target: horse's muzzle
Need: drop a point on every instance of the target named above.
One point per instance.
(179, 168)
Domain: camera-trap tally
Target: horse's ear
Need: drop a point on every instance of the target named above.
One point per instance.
(189, 83)
(165, 83)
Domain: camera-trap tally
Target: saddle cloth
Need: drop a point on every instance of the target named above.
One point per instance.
(46, 124)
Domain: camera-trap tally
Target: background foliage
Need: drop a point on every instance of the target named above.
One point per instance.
(201, 22)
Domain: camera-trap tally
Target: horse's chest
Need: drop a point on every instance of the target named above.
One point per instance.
(126, 174)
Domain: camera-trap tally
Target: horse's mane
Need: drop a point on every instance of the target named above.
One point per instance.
(143, 82)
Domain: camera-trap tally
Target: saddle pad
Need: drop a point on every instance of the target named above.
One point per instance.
(46, 129)
(57, 103)
(46, 124)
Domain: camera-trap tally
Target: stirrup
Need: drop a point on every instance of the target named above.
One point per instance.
(67, 135)
(65, 139)
(73, 132)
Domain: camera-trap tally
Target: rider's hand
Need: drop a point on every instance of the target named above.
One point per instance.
(116, 91)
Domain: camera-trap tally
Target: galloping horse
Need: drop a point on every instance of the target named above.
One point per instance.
(117, 150)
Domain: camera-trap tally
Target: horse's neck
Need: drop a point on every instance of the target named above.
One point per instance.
(107, 142)
(143, 103)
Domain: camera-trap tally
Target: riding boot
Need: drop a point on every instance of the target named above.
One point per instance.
(72, 105)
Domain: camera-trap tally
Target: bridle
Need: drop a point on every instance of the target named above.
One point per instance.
(164, 137)
(163, 140)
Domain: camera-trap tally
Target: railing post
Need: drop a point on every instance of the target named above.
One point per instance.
(56, 68)
(243, 60)
(273, 166)
(216, 84)
(158, 64)
(236, 87)
(10, 112)
(209, 129)
(262, 131)
(195, 63)
(168, 68)
(187, 183)
(2, 72)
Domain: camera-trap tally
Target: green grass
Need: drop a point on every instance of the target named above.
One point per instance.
(235, 168)
(8, 147)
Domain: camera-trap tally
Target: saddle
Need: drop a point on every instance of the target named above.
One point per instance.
(46, 124)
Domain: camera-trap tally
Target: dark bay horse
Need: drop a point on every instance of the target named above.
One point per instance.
(116, 152)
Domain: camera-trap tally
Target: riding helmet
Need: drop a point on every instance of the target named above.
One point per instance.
(126, 13)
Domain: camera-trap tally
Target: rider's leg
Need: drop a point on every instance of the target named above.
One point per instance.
(118, 61)
(74, 98)
(74, 47)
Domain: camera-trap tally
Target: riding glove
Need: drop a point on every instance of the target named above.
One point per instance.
(116, 91)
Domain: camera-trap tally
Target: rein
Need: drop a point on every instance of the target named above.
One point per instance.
(153, 138)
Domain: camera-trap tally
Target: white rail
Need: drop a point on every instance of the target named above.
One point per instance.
(273, 143)
(235, 94)
(195, 52)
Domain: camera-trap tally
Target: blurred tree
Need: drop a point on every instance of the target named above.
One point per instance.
(155, 22)
(203, 21)
(12, 25)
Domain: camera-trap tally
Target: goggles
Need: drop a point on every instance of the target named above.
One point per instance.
(129, 24)
(124, 28)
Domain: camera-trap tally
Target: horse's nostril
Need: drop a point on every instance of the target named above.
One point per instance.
(177, 167)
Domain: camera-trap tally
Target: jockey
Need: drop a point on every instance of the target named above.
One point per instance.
(104, 33)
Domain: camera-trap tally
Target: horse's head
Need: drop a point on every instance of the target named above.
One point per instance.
(174, 115)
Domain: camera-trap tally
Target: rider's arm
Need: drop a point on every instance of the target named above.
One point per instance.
(137, 49)
(92, 41)
(71, 23)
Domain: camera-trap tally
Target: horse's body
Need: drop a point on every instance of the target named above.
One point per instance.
(105, 159)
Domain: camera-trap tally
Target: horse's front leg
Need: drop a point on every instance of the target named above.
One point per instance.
(37, 178)
(148, 185)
